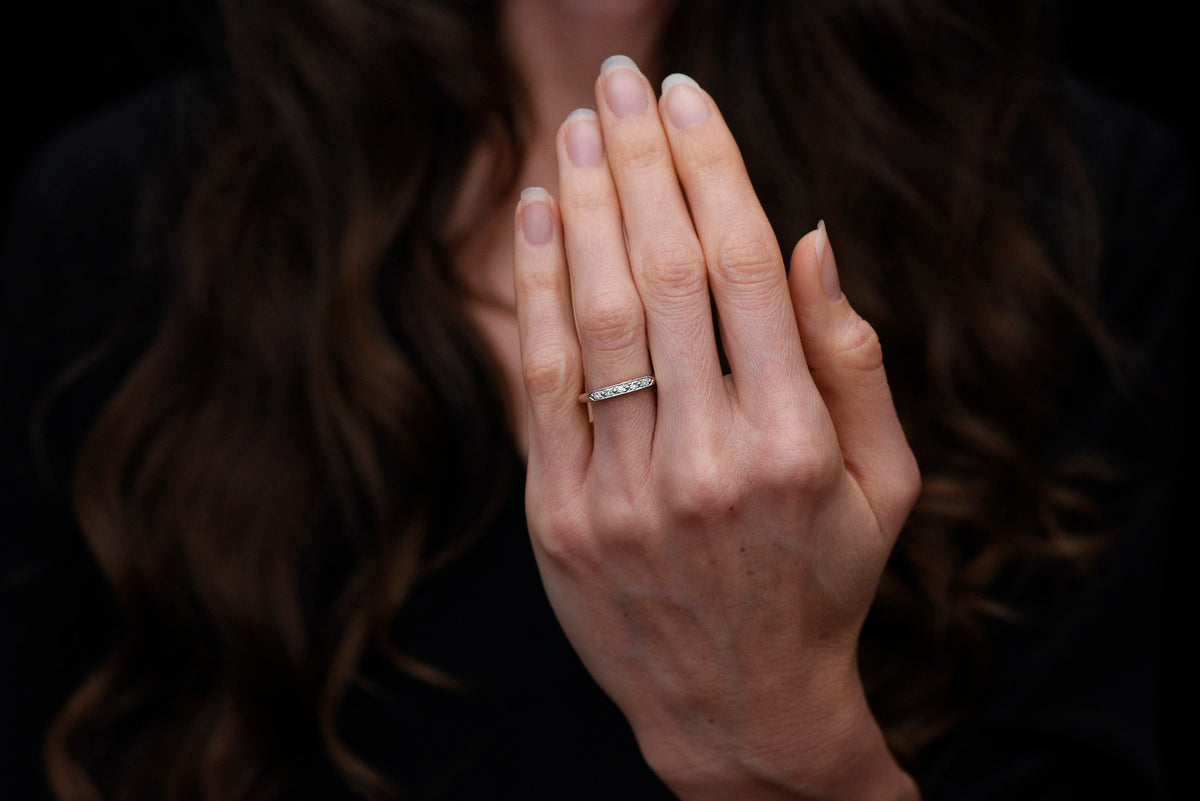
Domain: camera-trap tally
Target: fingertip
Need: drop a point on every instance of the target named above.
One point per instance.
(535, 213)
(805, 253)
(676, 78)
(826, 320)
(623, 87)
(581, 138)
(836, 338)
(827, 264)
(685, 106)
(533, 194)
(803, 281)
(616, 62)
(813, 267)
(575, 116)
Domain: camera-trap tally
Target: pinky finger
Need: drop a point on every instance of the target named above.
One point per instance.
(559, 436)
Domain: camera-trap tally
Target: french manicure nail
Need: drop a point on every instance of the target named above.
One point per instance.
(685, 105)
(585, 148)
(623, 87)
(536, 223)
(827, 264)
(615, 62)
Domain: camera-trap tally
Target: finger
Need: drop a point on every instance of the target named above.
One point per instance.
(608, 311)
(846, 361)
(559, 434)
(666, 258)
(745, 268)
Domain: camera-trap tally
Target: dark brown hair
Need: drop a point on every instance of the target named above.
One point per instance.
(315, 425)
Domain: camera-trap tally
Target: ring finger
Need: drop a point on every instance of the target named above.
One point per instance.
(608, 309)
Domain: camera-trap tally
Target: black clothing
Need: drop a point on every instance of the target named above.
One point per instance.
(1073, 713)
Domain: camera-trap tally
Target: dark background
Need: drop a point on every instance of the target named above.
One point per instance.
(66, 60)
(62, 62)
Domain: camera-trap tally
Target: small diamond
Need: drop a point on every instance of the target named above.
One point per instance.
(632, 385)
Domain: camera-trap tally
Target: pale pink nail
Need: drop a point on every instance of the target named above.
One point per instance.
(585, 148)
(827, 264)
(623, 87)
(537, 224)
(685, 105)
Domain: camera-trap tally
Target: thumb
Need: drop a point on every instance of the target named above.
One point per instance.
(846, 361)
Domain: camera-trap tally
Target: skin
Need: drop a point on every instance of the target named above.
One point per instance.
(710, 546)
(557, 66)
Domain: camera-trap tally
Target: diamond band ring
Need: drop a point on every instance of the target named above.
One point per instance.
(613, 390)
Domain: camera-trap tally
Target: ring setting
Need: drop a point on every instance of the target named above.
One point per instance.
(615, 390)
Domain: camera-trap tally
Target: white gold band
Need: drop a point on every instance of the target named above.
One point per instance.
(613, 390)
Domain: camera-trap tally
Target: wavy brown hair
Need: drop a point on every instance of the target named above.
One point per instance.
(315, 425)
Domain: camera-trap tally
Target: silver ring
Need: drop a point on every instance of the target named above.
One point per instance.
(613, 390)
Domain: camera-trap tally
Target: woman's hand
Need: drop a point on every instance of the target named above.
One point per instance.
(711, 546)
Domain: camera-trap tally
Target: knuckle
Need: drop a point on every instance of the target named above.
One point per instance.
(899, 488)
(624, 526)
(858, 347)
(640, 153)
(540, 283)
(561, 537)
(797, 464)
(611, 321)
(700, 488)
(746, 258)
(550, 372)
(715, 157)
(576, 205)
(818, 474)
(674, 269)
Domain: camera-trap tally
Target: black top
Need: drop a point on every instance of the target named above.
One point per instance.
(1073, 711)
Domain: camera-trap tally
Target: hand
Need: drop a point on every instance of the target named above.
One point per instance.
(711, 546)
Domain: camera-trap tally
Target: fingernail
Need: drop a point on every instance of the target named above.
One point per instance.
(536, 222)
(615, 62)
(685, 104)
(825, 260)
(623, 87)
(584, 145)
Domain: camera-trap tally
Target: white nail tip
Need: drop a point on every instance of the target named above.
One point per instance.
(613, 62)
(532, 193)
(677, 78)
(581, 114)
